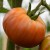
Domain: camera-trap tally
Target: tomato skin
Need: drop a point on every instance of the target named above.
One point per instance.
(22, 30)
(45, 44)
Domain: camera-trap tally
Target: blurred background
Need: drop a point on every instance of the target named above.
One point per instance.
(45, 16)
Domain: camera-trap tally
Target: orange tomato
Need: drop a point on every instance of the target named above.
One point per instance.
(22, 30)
(45, 45)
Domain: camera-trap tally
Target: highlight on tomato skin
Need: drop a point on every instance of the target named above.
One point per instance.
(22, 30)
(45, 45)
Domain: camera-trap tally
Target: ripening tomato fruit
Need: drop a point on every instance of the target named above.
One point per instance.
(45, 45)
(22, 30)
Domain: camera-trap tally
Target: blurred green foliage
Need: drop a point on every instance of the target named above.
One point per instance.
(1, 3)
(48, 26)
(34, 48)
(0, 41)
(10, 45)
(3, 10)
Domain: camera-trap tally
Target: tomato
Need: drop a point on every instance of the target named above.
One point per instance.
(22, 30)
(45, 45)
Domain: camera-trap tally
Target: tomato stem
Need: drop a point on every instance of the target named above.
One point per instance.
(10, 45)
(32, 13)
(45, 4)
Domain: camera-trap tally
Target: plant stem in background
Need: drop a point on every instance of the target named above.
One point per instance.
(48, 26)
(10, 45)
(15, 3)
(1, 3)
(32, 13)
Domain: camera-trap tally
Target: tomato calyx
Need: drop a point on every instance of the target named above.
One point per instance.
(32, 13)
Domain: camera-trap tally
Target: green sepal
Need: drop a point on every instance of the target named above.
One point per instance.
(34, 17)
(35, 10)
(29, 8)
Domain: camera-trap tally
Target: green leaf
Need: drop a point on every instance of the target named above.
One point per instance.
(15, 3)
(1, 3)
(3, 10)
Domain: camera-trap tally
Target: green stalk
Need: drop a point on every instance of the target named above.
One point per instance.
(10, 45)
(14, 4)
(45, 4)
